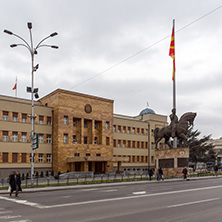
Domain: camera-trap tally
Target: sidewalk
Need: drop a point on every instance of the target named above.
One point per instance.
(54, 188)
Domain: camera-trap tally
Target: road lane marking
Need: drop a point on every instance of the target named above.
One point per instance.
(5, 212)
(108, 191)
(139, 192)
(194, 202)
(92, 189)
(40, 206)
(9, 217)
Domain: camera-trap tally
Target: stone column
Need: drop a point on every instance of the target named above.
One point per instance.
(86, 166)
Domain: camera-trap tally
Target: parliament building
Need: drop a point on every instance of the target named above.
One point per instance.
(77, 132)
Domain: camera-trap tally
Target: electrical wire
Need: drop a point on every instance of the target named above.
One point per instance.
(146, 48)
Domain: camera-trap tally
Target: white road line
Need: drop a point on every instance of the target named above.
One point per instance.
(5, 212)
(92, 189)
(194, 202)
(9, 217)
(21, 220)
(138, 193)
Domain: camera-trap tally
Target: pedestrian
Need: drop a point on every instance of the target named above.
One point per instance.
(160, 174)
(150, 171)
(185, 173)
(15, 183)
(216, 170)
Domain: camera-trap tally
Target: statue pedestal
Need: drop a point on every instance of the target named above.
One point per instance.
(172, 161)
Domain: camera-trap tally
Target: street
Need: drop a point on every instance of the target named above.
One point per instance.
(194, 201)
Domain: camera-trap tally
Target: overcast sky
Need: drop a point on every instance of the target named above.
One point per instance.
(118, 49)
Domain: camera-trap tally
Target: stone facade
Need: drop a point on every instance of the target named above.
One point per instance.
(172, 161)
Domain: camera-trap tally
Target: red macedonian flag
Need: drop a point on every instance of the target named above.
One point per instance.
(15, 86)
(172, 53)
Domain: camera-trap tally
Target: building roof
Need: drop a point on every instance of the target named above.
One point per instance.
(147, 111)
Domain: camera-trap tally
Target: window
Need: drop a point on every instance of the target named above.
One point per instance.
(128, 129)
(107, 141)
(74, 139)
(114, 143)
(49, 120)
(49, 138)
(14, 157)
(41, 158)
(23, 157)
(76, 154)
(129, 144)
(14, 136)
(87, 154)
(95, 140)
(142, 131)
(41, 138)
(142, 145)
(119, 143)
(65, 138)
(152, 159)
(95, 126)
(124, 129)
(107, 125)
(5, 136)
(98, 154)
(24, 117)
(65, 120)
(124, 143)
(134, 144)
(24, 137)
(146, 131)
(138, 144)
(133, 130)
(119, 129)
(5, 115)
(138, 159)
(49, 158)
(14, 117)
(114, 128)
(85, 123)
(74, 122)
(41, 119)
(138, 131)
(5, 158)
(85, 139)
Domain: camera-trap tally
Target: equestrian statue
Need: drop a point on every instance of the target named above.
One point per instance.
(177, 128)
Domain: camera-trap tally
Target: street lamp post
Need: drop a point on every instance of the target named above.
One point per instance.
(33, 51)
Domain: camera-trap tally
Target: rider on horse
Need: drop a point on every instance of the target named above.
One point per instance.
(174, 121)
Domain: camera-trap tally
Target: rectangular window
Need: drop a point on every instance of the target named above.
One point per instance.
(65, 138)
(146, 131)
(14, 136)
(138, 159)
(142, 145)
(95, 125)
(138, 131)
(15, 117)
(65, 120)
(124, 129)
(41, 138)
(14, 157)
(142, 131)
(24, 157)
(41, 119)
(133, 130)
(119, 129)
(114, 128)
(138, 144)
(24, 117)
(107, 141)
(85, 123)
(87, 154)
(5, 157)
(49, 158)
(49, 138)
(128, 129)
(85, 139)
(74, 122)
(114, 143)
(107, 125)
(119, 143)
(49, 120)
(98, 154)
(129, 144)
(41, 158)
(24, 137)
(95, 140)
(76, 154)
(134, 144)
(5, 115)
(5, 136)
(124, 143)
(74, 139)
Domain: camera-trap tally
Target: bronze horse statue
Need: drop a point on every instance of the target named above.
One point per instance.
(182, 126)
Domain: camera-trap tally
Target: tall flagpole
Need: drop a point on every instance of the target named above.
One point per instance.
(16, 87)
(174, 70)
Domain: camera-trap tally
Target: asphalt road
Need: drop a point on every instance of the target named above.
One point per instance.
(192, 201)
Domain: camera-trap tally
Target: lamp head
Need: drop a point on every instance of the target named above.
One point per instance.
(8, 32)
(53, 34)
(13, 45)
(29, 24)
(54, 46)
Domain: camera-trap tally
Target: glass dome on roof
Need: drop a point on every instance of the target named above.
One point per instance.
(147, 111)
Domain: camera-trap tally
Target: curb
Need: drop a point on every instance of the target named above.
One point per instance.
(82, 186)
